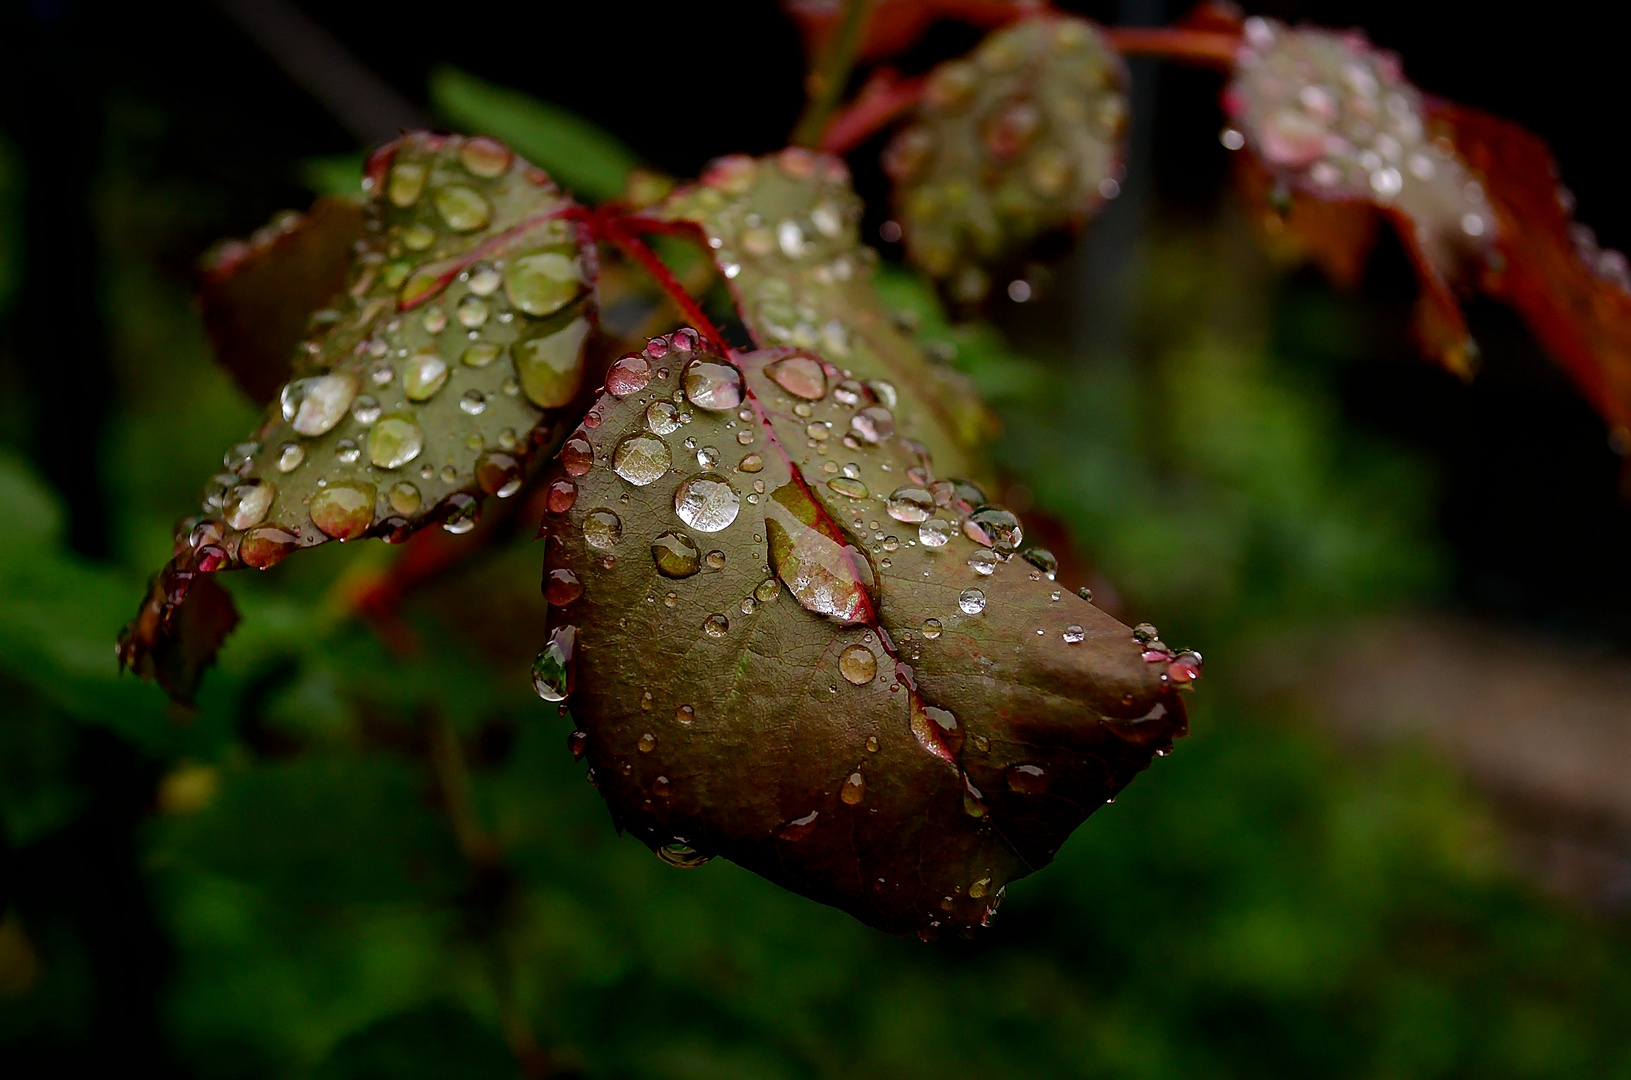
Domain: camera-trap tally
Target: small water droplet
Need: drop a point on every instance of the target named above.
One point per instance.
(480, 354)
(752, 463)
(463, 208)
(685, 715)
(936, 532)
(662, 418)
(972, 601)
(313, 406)
(641, 459)
(629, 375)
(289, 457)
(498, 473)
(873, 424)
(246, 504)
(858, 665)
(767, 590)
(716, 625)
(266, 545)
(553, 671)
(460, 512)
(577, 456)
(365, 410)
(854, 789)
(602, 529)
(405, 183)
(485, 157)
(395, 441)
(983, 562)
(995, 528)
(845, 485)
(423, 375)
(872, 744)
(931, 628)
(802, 376)
(675, 555)
(561, 587)
(560, 497)
(647, 743)
(707, 457)
(343, 511)
(404, 497)
(707, 502)
(1074, 634)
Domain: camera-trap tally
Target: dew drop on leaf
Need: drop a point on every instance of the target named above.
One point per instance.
(313, 406)
(343, 511)
(936, 532)
(577, 456)
(461, 511)
(463, 208)
(1074, 634)
(983, 563)
(561, 496)
(824, 573)
(480, 354)
(423, 375)
(995, 528)
(972, 601)
(713, 385)
(801, 376)
(548, 361)
(675, 555)
(662, 418)
(553, 671)
(716, 625)
(266, 545)
(857, 664)
(395, 441)
(931, 628)
(681, 855)
(629, 375)
(289, 456)
(707, 502)
(602, 529)
(641, 459)
(910, 504)
(561, 587)
(854, 789)
(404, 497)
(248, 503)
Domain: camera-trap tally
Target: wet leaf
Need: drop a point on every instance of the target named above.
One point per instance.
(1333, 118)
(257, 295)
(784, 231)
(450, 355)
(1020, 139)
(791, 642)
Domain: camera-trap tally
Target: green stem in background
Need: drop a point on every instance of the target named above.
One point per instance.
(824, 85)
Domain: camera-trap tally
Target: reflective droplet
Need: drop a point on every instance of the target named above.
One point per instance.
(485, 157)
(1027, 779)
(577, 456)
(553, 671)
(858, 665)
(972, 601)
(682, 855)
(825, 573)
(480, 354)
(936, 532)
(472, 403)
(931, 628)
(685, 715)
(752, 463)
(395, 441)
(498, 473)
(872, 744)
(629, 375)
(716, 559)
(716, 625)
(549, 362)
(662, 418)
(713, 385)
(1044, 560)
(854, 789)
(641, 459)
(561, 496)
(343, 511)
(266, 545)
(647, 743)
(707, 457)
(472, 311)
(435, 320)
(346, 450)
(983, 562)
(577, 742)
(404, 497)
(602, 529)
(767, 590)
(675, 555)
(463, 208)
(995, 528)
(910, 504)
(873, 424)
(247, 504)
(801, 376)
(405, 183)
(936, 730)
(561, 587)
(844, 485)
(1074, 634)
(365, 410)
(313, 406)
(543, 282)
(978, 889)
(289, 456)
(707, 503)
(800, 827)
(459, 511)
(423, 375)
(484, 280)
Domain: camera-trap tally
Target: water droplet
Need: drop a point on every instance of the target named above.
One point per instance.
(346, 450)
(713, 385)
(549, 361)
(1074, 634)
(480, 354)
(553, 671)
(577, 742)
(560, 497)
(936, 730)
(682, 855)
(472, 311)
(647, 743)
(485, 157)
(577, 456)
(1145, 633)
(498, 473)
(463, 208)
(246, 504)
(435, 320)
(365, 410)
(289, 456)
(983, 563)
(872, 424)
(707, 502)
(716, 625)
(767, 591)
(752, 463)
(910, 504)
(641, 459)
(825, 573)
(972, 601)
(459, 511)
(1044, 560)
(801, 376)
(1085, 593)
(978, 888)
(854, 789)
(343, 511)
(629, 375)
(266, 545)
(662, 418)
(936, 532)
(858, 665)
(685, 715)
(602, 529)
(995, 528)
(561, 587)
(716, 560)
(406, 182)
(404, 497)
(931, 628)
(872, 744)
(707, 457)
(799, 828)
(423, 375)
(313, 406)
(845, 485)
(675, 555)
(542, 282)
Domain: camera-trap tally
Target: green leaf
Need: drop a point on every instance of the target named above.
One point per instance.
(792, 643)
(432, 1043)
(785, 233)
(589, 161)
(1021, 138)
(448, 358)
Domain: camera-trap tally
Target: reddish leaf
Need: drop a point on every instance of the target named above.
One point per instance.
(181, 625)
(257, 295)
(791, 643)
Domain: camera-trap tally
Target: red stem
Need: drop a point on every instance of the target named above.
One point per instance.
(621, 234)
(1203, 48)
(879, 104)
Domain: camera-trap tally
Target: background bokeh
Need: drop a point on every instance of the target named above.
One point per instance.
(1397, 843)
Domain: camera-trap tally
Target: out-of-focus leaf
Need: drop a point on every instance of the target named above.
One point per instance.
(336, 174)
(257, 295)
(432, 1043)
(448, 359)
(589, 161)
(1572, 293)
(1021, 138)
(792, 643)
(1333, 118)
(1336, 235)
(785, 233)
(893, 26)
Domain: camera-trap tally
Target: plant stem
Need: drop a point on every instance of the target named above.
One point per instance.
(883, 99)
(636, 248)
(1202, 48)
(825, 83)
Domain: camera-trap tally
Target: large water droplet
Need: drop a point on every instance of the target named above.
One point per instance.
(577, 456)
(983, 562)
(498, 473)
(561, 587)
(858, 665)
(936, 730)
(872, 424)
(459, 510)
(313, 406)
(247, 504)
(266, 545)
(406, 182)
(1074, 634)
(395, 441)
(485, 157)
(404, 497)
(675, 555)
(602, 529)
(561, 496)
(289, 456)
(549, 361)
(641, 459)
(463, 208)
(910, 504)
(972, 601)
(824, 573)
(716, 625)
(554, 672)
(707, 503)
(936, 532)
(343, 511)
(931, 628)
(662, 418)
(423, 375)
(543, 282)
(629, 375)
(713, 385)
(801, 376)
(994, 527)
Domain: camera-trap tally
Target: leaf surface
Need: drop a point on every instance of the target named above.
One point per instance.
(453, 351)
(785, 233)
(1021, 138)
(786, 646)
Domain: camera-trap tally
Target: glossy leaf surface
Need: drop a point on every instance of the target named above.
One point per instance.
(446, 359)
(791, 642)
(785, 233)
(1021, 138)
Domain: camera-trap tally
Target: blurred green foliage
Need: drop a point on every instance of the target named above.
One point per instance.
(1262, 903)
